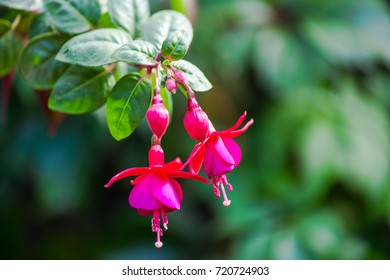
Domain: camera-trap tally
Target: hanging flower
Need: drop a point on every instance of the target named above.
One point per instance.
(155, 191)
(218, 152)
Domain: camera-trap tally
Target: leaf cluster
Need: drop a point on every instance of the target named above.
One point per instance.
(77, 50)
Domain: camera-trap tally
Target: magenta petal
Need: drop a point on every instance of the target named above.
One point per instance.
(164, 192)
(217, 159)
(141, 196)
(126, 173)
(233, 149)
(177, 188)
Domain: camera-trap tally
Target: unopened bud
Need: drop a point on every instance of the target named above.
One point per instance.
(171, 85)
(196, 121)
(157, 117)
(180, 76)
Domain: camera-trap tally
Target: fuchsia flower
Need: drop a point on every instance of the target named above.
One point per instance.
(217, 150)
(155, 191)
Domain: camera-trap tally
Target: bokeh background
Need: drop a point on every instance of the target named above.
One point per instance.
(314, 182)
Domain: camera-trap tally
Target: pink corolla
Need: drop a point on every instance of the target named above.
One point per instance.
(155, 191)
(217, 151)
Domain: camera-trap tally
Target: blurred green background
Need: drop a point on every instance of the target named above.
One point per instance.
(314, 182)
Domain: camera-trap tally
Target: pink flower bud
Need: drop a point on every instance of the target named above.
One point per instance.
(171, 85)
(196, 121)
(157, 117)
(180, 76)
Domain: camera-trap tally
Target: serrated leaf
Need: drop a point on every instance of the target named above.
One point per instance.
(127, 105)
(158, 27)
(174, 47)
(38, 63)
(10, 46)
(93, 48)
(26, 5)
(72, 16)
(137, 52)
(129, 14)
(196, 79)
(80, 90)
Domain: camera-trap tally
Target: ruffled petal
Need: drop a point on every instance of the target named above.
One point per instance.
(177, 188)
(127, 173)
(141, 196)
(233, 149)
(217, 159)
(164, 192)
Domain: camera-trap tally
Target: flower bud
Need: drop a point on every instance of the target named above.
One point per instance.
(171, 85)
(157, 117)
(196, 121)
(180, 76)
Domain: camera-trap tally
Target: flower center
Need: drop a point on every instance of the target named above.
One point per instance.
(219, 182)
(156, 223)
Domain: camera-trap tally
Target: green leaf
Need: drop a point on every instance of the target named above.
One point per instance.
(127, 105)
(38, 26)
(158, 27)
(81, 90)
(38, 63)
(94, 48)
(174, 47)
(72, 16)
(196, 79)
(26, 5)
(137, 52)
(129, 14)
(10, 46)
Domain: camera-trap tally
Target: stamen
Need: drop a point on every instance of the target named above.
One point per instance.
(164, 220)
(158, 243)
(225, 182)
(216, 186)
(156, 227)
(226, 201)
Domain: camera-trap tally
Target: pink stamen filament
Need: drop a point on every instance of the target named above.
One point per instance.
(156, 225)
(226, 201)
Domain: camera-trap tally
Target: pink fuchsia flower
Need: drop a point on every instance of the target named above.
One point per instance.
(155, 191)
(218, 153)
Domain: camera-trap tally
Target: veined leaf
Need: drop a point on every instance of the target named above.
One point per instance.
(137, 52)
(93, 48)
(129, 14)
(174, 47)
(38, 63)
(26, 5)
(72, 16)
(196, 79)
(158, 27)
(81, 90)
(127, 104)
